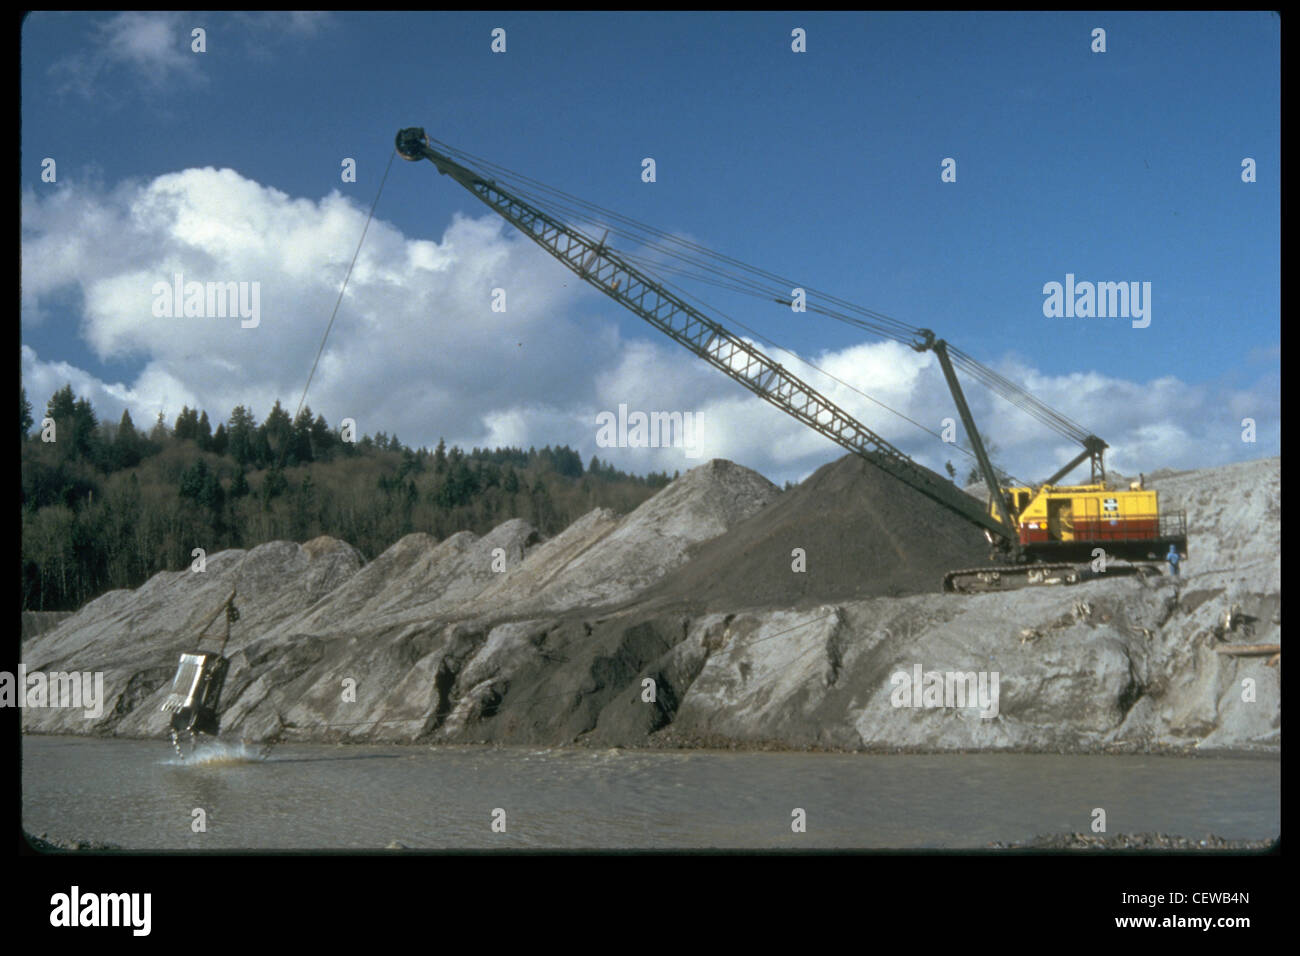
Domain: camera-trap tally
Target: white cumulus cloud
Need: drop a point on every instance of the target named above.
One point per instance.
(417, 349)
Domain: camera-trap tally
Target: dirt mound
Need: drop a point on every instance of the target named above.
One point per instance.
(863, 534)
(1234, 518)
(418, 578)
(602, 559)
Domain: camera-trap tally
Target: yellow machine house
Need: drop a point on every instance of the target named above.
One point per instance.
(1068, 522)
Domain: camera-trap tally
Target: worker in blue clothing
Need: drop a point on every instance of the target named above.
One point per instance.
(1173, 558)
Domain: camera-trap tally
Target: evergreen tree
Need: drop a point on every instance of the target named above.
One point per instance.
(203, 432)
(159, 434)
(211, 495)
(277, 434)
(567, 462)
(62, 407)
(201, 485)
(187, 424)
(411, 464)
(459, 485)
(127, 450)
(28, 421)
(510, 481)
(262, 450)
(346, 448)
(85, 439)
(303, 509)
(322, 440)
(193, 480)
(544, 516)
(220, 440)
(300, 445)
(240, 435)
(274, 485)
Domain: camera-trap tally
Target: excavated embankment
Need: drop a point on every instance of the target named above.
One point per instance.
(686, 623)
(856, 531)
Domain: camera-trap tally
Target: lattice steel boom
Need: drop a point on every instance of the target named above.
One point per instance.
(606, 271)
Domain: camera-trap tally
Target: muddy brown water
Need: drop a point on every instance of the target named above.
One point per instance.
(133, 793)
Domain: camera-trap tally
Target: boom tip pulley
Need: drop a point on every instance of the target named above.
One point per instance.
(411, 143)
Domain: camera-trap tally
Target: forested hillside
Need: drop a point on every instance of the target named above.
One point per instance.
(107, 505)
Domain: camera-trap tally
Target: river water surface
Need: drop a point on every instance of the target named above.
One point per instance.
(134, 793)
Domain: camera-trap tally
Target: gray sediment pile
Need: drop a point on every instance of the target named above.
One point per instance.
(685, 621)
(859, 532)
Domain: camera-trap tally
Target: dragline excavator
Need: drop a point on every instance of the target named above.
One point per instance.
(1037, 534)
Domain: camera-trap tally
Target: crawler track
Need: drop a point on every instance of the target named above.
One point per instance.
(1009, 577)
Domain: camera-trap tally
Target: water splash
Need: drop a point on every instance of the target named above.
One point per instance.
(219, 754)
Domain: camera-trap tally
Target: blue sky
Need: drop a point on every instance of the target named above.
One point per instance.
(825, 165)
